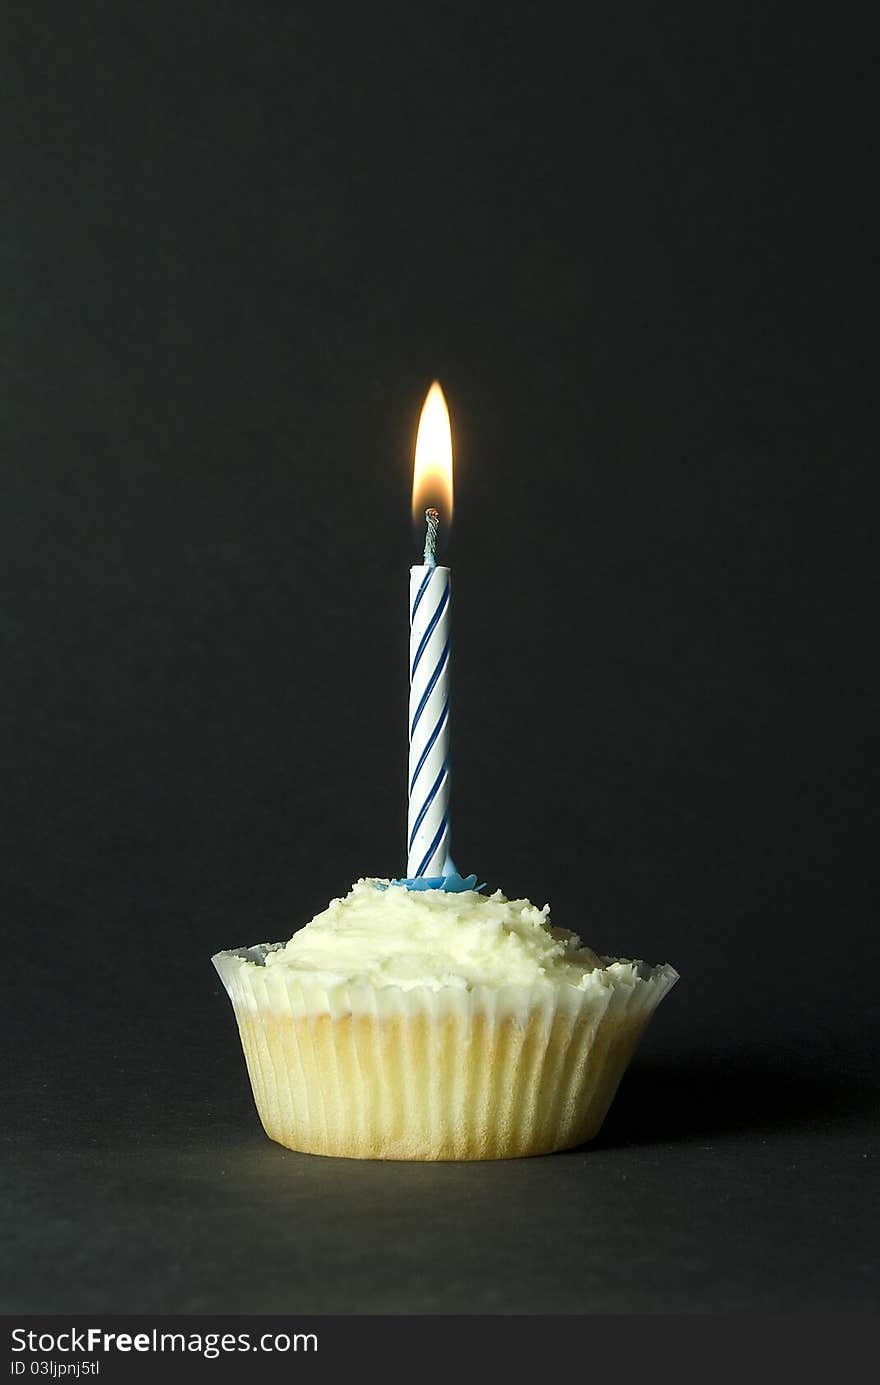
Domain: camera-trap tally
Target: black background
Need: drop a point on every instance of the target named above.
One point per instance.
(632, 241)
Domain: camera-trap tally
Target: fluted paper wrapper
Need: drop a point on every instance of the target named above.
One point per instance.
(483, 1073)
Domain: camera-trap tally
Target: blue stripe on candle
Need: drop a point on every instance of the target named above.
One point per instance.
(429, 689)
(421, 592)
(427, 750)
(444, 769)
(434, 845)
(432, 626)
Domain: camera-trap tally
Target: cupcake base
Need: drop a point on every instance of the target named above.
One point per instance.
(436, 1075)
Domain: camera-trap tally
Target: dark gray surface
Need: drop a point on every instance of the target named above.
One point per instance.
(720, 1185)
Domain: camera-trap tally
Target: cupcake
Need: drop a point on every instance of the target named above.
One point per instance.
(429, 1024)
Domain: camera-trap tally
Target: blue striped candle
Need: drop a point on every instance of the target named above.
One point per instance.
(428, 820)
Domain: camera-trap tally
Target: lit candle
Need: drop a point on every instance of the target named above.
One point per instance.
(429, 602)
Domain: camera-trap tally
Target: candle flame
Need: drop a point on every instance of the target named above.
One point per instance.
(432, 472)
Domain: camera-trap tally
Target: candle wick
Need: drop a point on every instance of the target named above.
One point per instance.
(432, 518)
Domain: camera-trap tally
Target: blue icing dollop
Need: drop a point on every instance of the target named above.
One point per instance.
(452, 884)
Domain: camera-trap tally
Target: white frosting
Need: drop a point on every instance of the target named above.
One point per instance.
(392, 936)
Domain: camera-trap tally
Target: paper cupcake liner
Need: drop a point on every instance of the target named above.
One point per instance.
(484, 1073)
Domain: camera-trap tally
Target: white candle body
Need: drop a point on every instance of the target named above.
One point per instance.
(428, 822)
